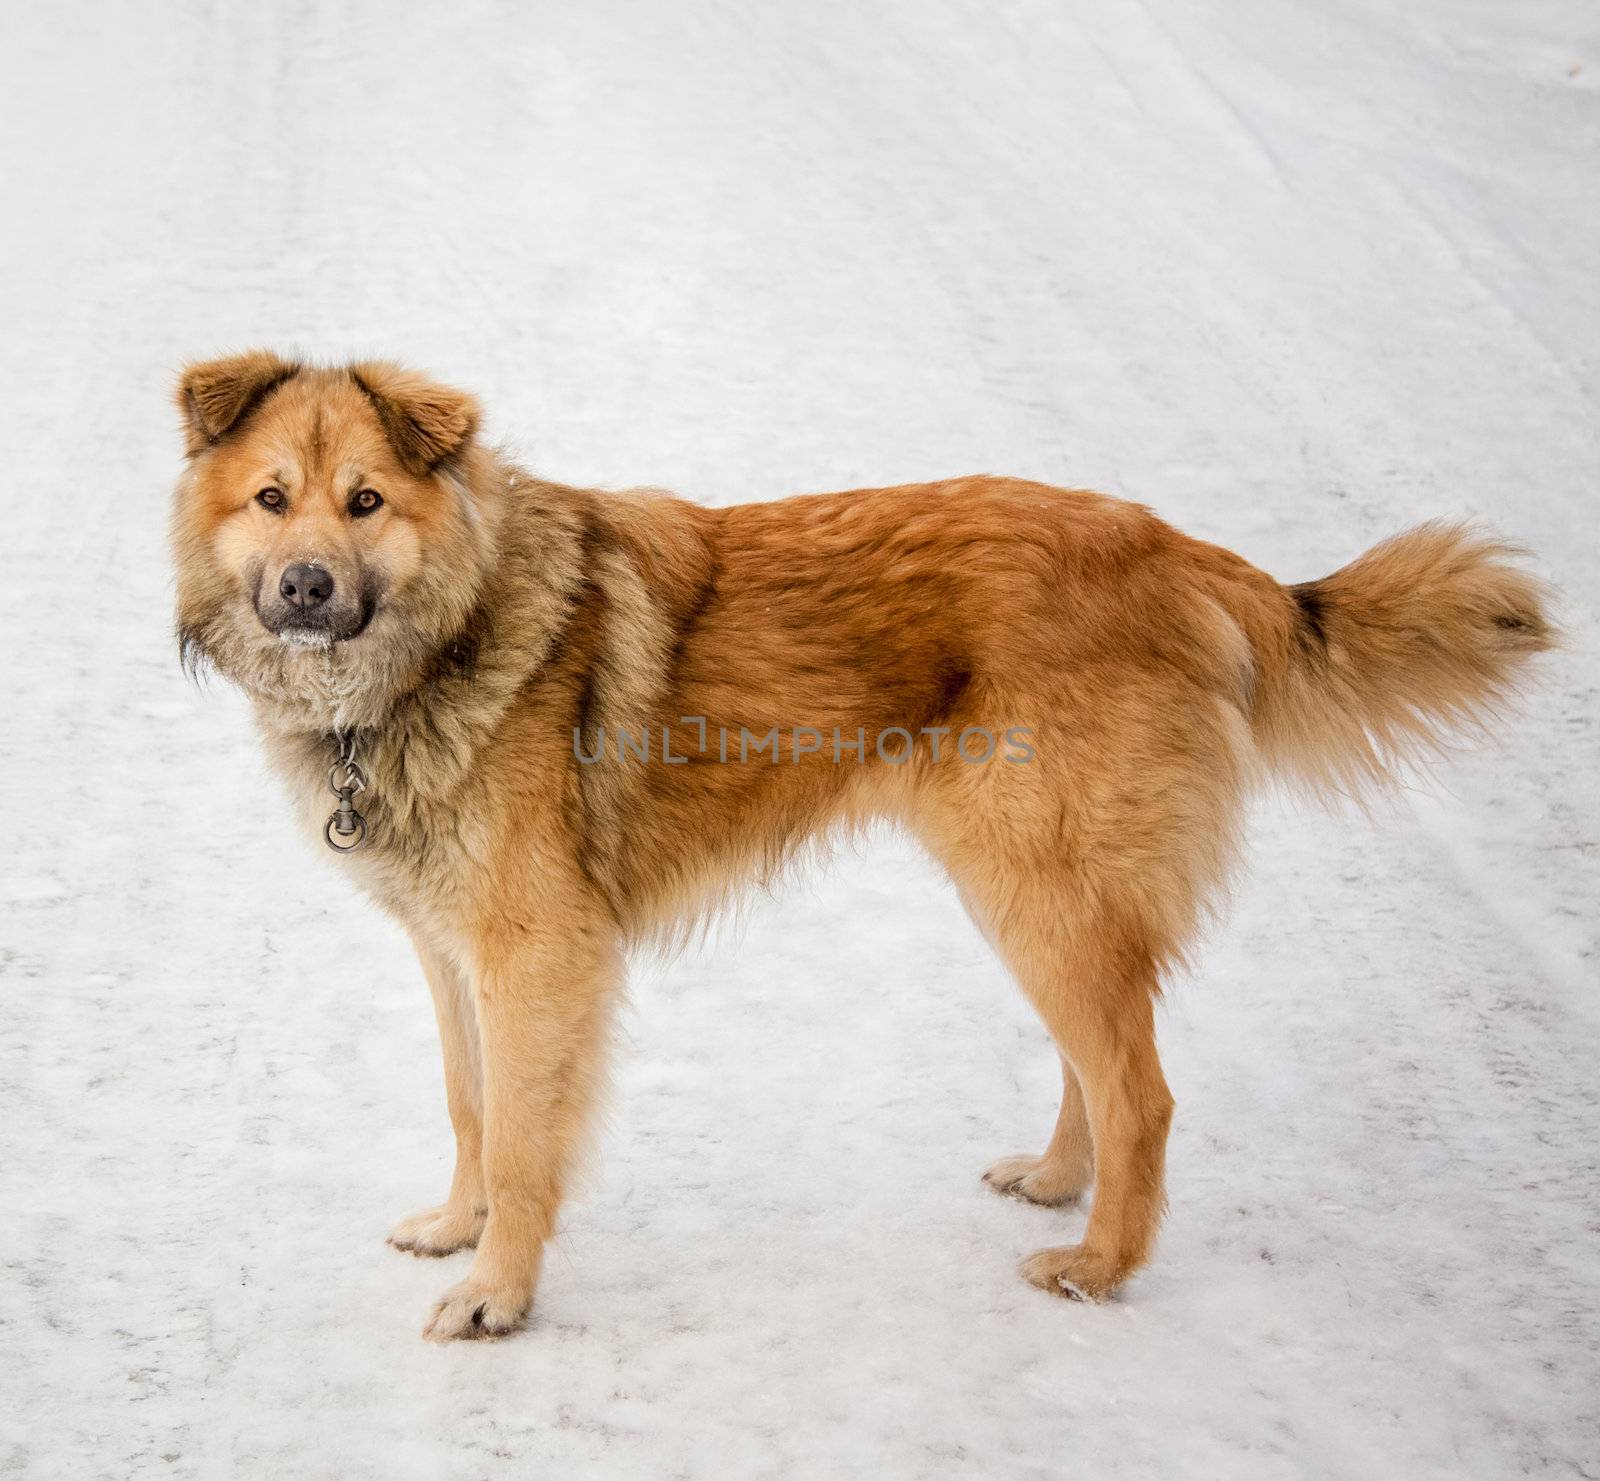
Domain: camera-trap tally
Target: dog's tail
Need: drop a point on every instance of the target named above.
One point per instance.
(1364, 669)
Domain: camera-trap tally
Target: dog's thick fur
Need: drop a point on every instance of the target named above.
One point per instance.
(484, 619)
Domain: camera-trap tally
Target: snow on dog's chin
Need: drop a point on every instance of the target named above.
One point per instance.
(306, 637)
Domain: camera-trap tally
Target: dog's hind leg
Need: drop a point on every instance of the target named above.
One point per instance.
(1078, 947)
(1098, 1002)
(1066, 1169)
(458, 1222)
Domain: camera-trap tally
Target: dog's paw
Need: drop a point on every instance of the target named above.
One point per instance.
(1073, 1271)
(1036, 1180)
(439, 1231)
(474, 1310)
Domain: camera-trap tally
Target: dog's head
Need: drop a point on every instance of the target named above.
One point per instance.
(330, 529)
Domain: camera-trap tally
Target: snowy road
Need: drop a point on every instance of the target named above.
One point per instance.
(1298, 274)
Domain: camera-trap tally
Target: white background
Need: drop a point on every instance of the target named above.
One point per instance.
(1295, 274)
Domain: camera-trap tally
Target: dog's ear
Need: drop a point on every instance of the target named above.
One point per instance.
(216, 395)
(426, 423)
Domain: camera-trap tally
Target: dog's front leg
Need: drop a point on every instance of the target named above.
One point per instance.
(458, 1222)
(543, 988)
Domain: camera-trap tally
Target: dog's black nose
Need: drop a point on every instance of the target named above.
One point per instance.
(305, 586)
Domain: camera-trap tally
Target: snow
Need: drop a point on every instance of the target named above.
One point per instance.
(1296, 274)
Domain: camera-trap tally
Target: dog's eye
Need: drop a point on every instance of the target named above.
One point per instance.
(271, 499)
(365, 502)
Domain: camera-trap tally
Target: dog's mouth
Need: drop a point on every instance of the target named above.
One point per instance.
(318, 630)
(306, 635)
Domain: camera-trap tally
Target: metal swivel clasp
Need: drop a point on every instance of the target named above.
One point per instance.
(346, 830)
